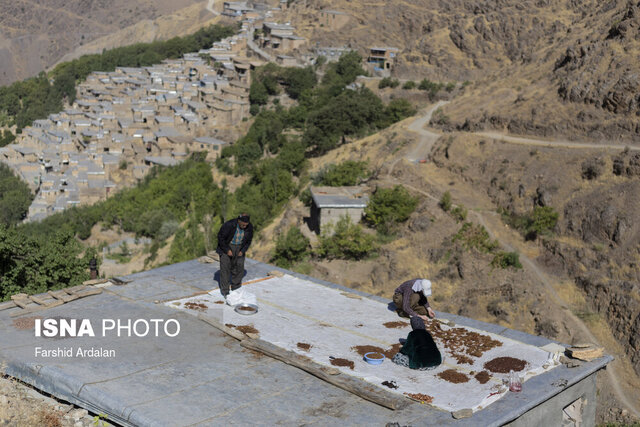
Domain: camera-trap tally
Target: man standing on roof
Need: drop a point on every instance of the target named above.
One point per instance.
(234, 238)
(410, 299)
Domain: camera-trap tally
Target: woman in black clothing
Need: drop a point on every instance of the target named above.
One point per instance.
(419, 350)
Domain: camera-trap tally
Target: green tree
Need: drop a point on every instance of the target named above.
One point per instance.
(291, 247)
(352, 113)
(258, 93)
(6, 138)
(35, 265)
(389, 206)
(15, 197)
(349, 66)
(398, 109)
(343, 72)
(298, 80)
(292, 157)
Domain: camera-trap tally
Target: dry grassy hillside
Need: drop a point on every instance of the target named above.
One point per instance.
(36, 34)
(180, 23)
(454, 39)
(551, 68)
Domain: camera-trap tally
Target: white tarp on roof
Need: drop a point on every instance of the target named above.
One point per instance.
(294, 310)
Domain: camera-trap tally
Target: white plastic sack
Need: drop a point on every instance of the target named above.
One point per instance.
(240, 296)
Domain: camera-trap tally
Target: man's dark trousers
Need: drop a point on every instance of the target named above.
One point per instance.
(231, 266)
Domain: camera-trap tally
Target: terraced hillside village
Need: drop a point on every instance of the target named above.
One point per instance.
(503, 137)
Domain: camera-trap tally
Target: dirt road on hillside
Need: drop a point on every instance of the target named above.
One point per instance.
(210, 5)
(554, 143)
(428, 138)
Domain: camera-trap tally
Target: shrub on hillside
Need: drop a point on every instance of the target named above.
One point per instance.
(541, 221)
(388, 82)
(349, 241)
(346, 173)
(291, 248)
(305, 197)
(445, 201)
(473, 236)
(504, 259)
(431, 87)
(409, 85)
(459, 213)
(592, 168)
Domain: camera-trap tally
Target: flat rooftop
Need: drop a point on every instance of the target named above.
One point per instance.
(203, 376)
(339, 197)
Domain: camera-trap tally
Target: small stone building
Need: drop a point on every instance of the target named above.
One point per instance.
(329, 204)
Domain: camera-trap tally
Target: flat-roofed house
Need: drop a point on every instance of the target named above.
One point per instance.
(329, 204)
(382, 59)
(287, 61)
(235, 8)
(212, 145)
(280, 37)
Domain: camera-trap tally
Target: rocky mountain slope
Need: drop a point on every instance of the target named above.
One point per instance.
(35, 34)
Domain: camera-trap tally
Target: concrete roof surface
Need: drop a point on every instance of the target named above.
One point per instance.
(339, 197)
(203, 377)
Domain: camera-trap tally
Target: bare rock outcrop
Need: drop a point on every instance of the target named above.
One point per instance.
(581, 76)
(615, 299)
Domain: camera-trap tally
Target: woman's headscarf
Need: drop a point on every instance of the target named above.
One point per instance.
(422, 285)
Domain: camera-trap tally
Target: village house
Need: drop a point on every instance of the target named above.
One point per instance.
(280, 37)
(235, 8)
(287, 61)
(382, 59)
(329, 204)
(213, 146)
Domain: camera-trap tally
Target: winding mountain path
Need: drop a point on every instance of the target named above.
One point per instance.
(522, 140)
(428, 138)
(422, 149)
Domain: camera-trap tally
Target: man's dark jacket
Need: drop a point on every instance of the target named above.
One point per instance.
(225, 236)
